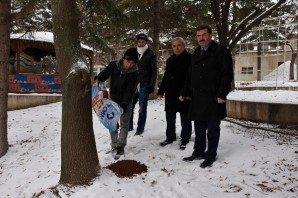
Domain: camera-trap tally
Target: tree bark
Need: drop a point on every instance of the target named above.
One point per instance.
(4, 62)
(80, 162)
(156, 32)
(292, 76)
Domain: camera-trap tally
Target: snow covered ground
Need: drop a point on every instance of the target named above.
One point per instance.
(250, 163)
(275, 96)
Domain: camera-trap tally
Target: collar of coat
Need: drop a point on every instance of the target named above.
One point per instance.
(180, 55)
(147, 51)
(212, 47)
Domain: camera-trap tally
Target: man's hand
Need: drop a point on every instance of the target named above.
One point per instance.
(181, 98)
(97, 78)
(219, 100)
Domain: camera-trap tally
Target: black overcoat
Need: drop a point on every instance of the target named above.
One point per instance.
(209, 78)
(147, 68)
(173, 81)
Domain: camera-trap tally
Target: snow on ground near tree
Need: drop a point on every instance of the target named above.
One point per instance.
(249, 163)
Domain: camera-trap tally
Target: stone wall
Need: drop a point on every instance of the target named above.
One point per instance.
(22, 101)
(272, 113)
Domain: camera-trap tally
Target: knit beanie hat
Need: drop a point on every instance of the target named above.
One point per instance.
(131, 54)
(142, 36)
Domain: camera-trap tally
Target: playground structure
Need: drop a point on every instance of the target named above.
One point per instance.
(33, 68)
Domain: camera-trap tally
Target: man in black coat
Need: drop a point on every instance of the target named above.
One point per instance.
(172, 82)
(147, 78)
(123, 76)
(207, 85)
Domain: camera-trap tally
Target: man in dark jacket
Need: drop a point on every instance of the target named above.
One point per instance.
(171, 85)
(123, 82)
(208, 83)
(147, 78)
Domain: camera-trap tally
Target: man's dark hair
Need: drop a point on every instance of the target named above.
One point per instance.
(202, 27)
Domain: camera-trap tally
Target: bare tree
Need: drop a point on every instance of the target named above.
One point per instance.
(229, 31)
(80, 162)
(4, 61)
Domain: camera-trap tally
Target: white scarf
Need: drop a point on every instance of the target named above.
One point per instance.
(141, 50)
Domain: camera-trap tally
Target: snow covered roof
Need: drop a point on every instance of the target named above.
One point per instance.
(40, 36)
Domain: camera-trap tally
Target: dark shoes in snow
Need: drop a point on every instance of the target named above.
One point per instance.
(207, 163)
(192, 157)
(119, 152)
(166, 142)
(183, 145)
(139, 132)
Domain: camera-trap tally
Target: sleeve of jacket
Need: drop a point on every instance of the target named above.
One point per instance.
(106, 73)
(186, 90)
(154, 69)
(162, 86)
(226, 73)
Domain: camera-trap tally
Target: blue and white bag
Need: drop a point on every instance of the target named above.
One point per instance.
(108, 111)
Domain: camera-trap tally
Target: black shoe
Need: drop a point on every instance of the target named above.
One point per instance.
(139, 132)
(130, 129)
(192, 157)
(166, 142)
(183, 145)
(120, 151)
(207, 163)
(114, 150)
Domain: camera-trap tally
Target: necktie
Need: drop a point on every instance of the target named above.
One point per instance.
(203, 51)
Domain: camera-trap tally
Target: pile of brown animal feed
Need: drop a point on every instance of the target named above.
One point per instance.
(127, 168)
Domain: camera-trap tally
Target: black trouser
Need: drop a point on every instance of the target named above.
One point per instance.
(171, 126)
(213, 134)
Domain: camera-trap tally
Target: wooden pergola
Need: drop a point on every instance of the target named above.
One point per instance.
(39, 47)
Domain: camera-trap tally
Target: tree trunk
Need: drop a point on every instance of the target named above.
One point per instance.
(4, 61)
(294, 55)
(156, 32)
(80, 162)
(259, 66)
(292, 77)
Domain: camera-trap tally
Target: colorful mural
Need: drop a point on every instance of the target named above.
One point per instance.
(34, 83)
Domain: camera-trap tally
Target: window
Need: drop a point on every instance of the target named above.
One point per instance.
(246, 70)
